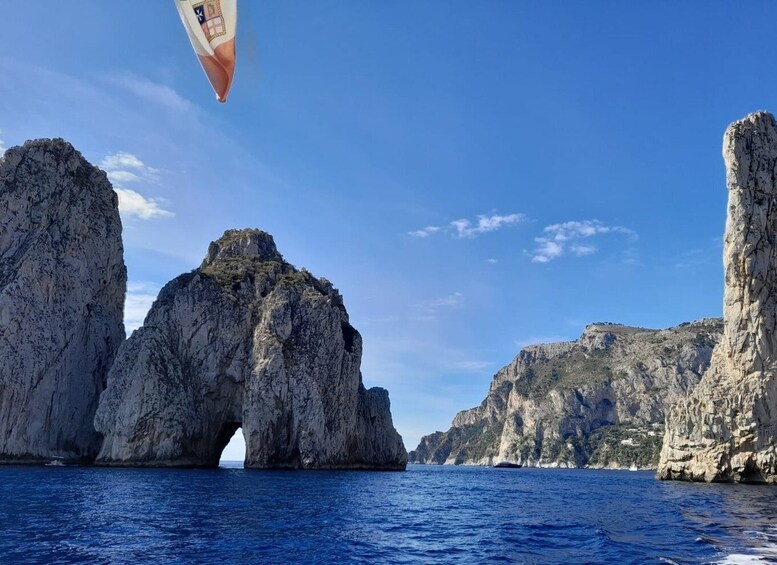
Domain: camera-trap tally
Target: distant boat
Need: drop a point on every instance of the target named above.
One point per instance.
(507, 465)
(56, 462)
(633, 467)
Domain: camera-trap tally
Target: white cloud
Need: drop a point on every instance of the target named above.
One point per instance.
(576, 230)
(547, 250)
(2, 143)
(117, 166)
(569, 237)
(122, 160)
(492, 261)
(466, 229)
(122, 176)
(140, 297)
(424, 232)
(134, 205)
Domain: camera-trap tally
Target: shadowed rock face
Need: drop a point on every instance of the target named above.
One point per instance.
(727, 428)
(246, 341)
(62, 286)
(598, 401)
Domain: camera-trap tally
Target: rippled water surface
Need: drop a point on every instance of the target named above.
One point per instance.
(427, 514)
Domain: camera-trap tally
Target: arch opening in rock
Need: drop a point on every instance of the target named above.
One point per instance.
(232, 446)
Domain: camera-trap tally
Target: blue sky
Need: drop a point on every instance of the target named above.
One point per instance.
(473, 177)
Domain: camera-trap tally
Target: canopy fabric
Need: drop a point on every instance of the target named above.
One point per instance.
(211, 26)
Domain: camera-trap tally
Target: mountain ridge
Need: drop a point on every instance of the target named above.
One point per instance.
(595, 401)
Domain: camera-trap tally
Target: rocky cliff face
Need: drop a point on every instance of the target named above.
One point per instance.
(726, 430)
(246, 341)
(62, 286)
(598, 401)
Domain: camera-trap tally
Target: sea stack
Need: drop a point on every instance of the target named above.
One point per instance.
(62, 287)
(249, 341)
(727, 428)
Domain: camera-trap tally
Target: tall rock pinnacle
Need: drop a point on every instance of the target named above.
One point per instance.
(726, 429)
(62, 286)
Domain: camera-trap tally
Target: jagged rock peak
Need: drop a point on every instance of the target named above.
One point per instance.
(45, 158)
(45, 151)
(726, 429)
(246, 341)
(251, 244)
(601, 335)
(62, 286)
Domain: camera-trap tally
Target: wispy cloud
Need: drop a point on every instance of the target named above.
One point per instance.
(126, 167)
(140, 297)
(468, 229)
(429, 309)
(123, 167)
(425, 232)
(708, 253)
(122, 160)
(492, 261)
(134, 205)
(582, 250)
(573, 238)
(123, 176)
(450, 301)
(156, 93)
(2, 143)
(470, 365)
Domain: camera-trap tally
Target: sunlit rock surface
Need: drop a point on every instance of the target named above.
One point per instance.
(727, 428)
(595, 402)
(62, 287)
(249, 341)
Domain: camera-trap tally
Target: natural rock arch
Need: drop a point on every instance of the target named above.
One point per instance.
(246, 341)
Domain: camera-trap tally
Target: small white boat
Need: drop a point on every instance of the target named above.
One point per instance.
(56, 462)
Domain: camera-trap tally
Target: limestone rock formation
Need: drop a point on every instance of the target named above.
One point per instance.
(62, 286)
(595, 402)
(246, 341)
(726, 430)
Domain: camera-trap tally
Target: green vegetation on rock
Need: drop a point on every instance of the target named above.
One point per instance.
(625, 446)
(598, 401)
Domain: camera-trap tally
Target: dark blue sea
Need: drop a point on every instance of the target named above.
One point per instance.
(428, 514)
